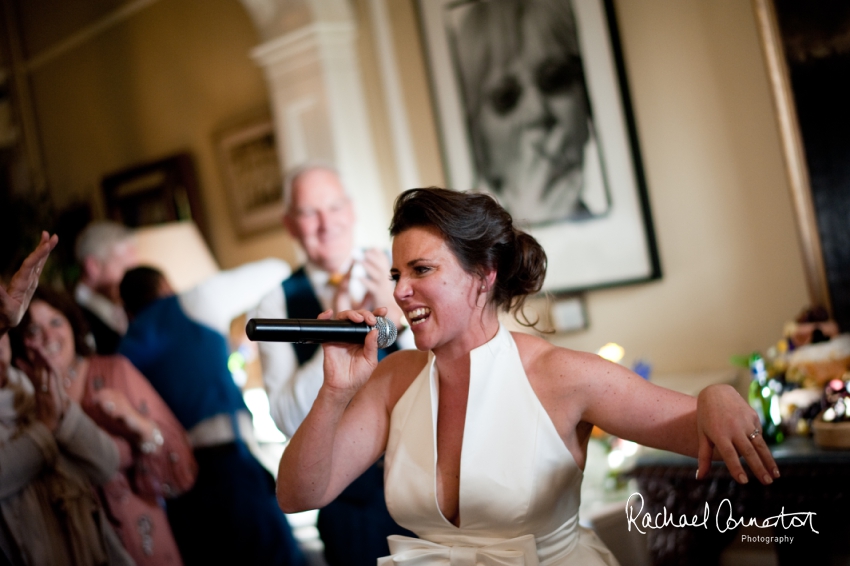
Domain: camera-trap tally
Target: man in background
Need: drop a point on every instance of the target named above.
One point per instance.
(319, 215)
(105, 251)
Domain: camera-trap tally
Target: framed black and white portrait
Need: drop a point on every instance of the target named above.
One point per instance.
(533, 108)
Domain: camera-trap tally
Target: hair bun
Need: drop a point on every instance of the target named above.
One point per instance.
(481, 235)
(528, 268)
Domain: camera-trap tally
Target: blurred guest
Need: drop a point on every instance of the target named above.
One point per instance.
(179, 342)
(337, 276)
(814, 324)
(104, 250)
(155, 457)
(50, 454)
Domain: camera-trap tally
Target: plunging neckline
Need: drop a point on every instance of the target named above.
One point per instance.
(435, 403)
(435, 396)
(517, 477)
(475, 386)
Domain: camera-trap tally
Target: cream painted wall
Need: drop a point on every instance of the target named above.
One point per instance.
(163, 81)
(415, 90)
(179, 70)
(720, 201)
(731, 261)
(170, 77)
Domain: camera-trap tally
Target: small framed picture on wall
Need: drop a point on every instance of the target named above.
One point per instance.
(253, 176)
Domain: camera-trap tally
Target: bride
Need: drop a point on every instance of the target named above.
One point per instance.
(485, 431)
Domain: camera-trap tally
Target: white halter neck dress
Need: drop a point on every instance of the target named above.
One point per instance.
(519, 484)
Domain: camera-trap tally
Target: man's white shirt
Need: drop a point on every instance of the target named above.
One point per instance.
(292, 389)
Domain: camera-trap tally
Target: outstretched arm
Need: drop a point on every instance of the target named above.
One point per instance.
(719, 418)
(15, 299)
(219, 299)
(622, 403)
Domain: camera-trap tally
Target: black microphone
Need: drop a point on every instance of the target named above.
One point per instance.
(314, 331)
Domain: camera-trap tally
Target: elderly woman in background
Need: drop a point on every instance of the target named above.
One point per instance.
(50, 454)
(156, 461)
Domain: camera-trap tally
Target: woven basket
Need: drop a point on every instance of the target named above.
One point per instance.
(831, 435)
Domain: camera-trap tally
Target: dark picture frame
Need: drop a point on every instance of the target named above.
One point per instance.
(808, 64)
(155, 192)
(602, 237)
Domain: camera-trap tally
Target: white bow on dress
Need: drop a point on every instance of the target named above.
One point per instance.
(407, 551)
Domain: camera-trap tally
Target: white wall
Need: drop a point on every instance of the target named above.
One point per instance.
(722, 210)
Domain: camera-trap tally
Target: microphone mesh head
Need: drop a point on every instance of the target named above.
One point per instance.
(387, 332)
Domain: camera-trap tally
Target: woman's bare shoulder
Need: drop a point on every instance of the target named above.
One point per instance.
(544, 359)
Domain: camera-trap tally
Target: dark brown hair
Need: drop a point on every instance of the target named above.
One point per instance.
(139, 288)
(63, 303)
(482, 237)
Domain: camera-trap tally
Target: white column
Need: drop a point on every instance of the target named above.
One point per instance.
(319, 106)
(405, 156)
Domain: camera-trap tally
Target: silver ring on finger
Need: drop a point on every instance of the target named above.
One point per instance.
(753, 434)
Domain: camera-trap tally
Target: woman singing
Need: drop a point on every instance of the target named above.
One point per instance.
(485, 431)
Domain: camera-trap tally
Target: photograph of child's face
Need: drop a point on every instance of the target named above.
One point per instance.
(526, 104)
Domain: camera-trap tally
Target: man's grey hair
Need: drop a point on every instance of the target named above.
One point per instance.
(99, 237)
(294, 173)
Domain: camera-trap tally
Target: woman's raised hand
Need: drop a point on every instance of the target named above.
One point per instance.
(51, 401)
(348, 366)
(15, 299)
(726, 423)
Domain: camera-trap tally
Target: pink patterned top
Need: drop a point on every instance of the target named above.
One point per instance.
(134, 497)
